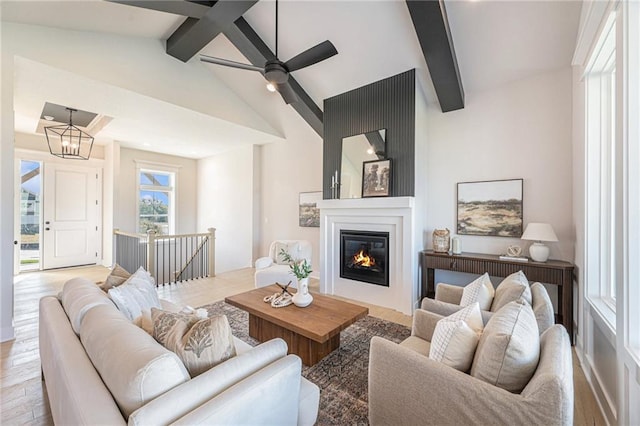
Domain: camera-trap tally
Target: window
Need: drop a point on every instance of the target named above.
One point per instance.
(156, 197)
(603, 168)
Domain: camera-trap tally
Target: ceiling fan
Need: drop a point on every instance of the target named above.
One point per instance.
(277, 72)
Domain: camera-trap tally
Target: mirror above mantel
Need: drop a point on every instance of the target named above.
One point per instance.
(356, 150)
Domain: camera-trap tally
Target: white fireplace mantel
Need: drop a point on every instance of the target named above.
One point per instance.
(390, 214)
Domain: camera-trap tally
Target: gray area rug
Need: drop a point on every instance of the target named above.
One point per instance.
(342, 375)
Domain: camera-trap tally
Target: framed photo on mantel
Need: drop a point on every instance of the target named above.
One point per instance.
(490, 208)
(376, 178)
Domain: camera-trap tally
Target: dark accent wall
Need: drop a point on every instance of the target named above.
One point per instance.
(386, 104)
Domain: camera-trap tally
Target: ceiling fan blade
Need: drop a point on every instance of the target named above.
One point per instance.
(287, 93)
(311, 56)
(228, 63)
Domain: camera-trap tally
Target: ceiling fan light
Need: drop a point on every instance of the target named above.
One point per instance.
(271, 87)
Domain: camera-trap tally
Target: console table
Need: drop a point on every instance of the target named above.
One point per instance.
(551, 272)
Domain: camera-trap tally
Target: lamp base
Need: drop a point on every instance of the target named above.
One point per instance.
(539, 252)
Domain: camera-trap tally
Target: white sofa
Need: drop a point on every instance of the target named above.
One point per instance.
(100, 368)
(268, 271)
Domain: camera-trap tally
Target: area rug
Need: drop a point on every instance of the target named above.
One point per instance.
(342, 375)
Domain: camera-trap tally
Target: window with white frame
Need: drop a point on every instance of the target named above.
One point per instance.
(602, 172)
(156, 201)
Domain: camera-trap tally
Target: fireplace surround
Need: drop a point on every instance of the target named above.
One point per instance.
(392, 215)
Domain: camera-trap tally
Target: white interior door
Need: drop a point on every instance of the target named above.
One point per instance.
(70, 236)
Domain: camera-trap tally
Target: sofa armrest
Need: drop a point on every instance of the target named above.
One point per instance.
(270, 396)
(408, 388)
(449, 293)
(264, 262)
(424, 322)
(188, 396)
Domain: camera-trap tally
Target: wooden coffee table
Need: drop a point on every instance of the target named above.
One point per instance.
(311, 333)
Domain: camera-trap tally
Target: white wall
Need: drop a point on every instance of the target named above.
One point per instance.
(39, 143)
(227, 200)
(289, 168)
(124, 217)
(519, 130)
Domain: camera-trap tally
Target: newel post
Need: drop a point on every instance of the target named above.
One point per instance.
(212, 252)
(114, 247)
(151, 253)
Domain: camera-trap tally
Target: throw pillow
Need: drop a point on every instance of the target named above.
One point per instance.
(290, 248)
(136, 294)
(542, 307)
(509, 348)
(117, 277)
(480, 290)
(199, 343)
(455, 338)
(512, 288)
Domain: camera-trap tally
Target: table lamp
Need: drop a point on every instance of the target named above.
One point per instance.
(539, 232)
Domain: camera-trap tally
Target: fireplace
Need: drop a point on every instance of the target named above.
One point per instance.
(364, 256)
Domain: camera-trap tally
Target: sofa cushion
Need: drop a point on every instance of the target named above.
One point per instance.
(118, 276)
(542, 307)
(200, 343)
(78, 296)
(137, 294)
(455, 338)
(134, 367)
(509, 348)
(480, 290)
(512, 288)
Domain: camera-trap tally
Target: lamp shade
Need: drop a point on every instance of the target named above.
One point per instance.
(539, 232)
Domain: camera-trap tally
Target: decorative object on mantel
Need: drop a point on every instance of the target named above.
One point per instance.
(539, 232)
(376, 178)
(301, 269)
(456, 245)
(309, 213)
(441, 240)
(68, 141)
(490, 208)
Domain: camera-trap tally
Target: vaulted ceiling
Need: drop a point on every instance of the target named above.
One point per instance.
(495, 42)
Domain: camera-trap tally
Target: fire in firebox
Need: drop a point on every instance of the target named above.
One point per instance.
(362, 259)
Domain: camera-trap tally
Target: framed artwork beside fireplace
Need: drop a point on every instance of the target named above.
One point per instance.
(490, 208)
(376, 178)
(309, 213)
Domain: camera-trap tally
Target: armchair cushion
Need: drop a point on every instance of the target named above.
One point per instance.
(449, 293)
(455, 338)
(480, 290)
(512, 288)
(542, 307)
(509, 348)
(289, 248)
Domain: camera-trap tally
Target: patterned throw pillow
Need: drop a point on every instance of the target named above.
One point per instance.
(199, 343)
(137, 294)
(290, 248)
(117, 277)
(455, 338)
(481, 290)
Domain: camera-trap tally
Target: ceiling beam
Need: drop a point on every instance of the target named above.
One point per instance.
(194, 34)
(181, 7)
(432, 28)
(247, 41)
(239, 32)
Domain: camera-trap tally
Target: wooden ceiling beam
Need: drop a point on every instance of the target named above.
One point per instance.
(432, 28)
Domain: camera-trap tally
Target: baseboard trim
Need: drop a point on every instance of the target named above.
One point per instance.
(7, 333)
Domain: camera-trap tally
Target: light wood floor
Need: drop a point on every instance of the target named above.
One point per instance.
(23, 396)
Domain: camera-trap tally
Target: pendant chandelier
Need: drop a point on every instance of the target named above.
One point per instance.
(68, 141)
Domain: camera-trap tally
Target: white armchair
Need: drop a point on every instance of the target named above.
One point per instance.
(273, 268)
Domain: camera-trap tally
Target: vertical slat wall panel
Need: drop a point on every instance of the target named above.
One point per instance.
(386, 104)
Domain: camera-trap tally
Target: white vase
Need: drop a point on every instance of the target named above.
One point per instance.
(302, 298)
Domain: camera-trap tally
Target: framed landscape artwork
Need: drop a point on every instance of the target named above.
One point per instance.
(309, 212)
(376, 178)
(490, 208)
